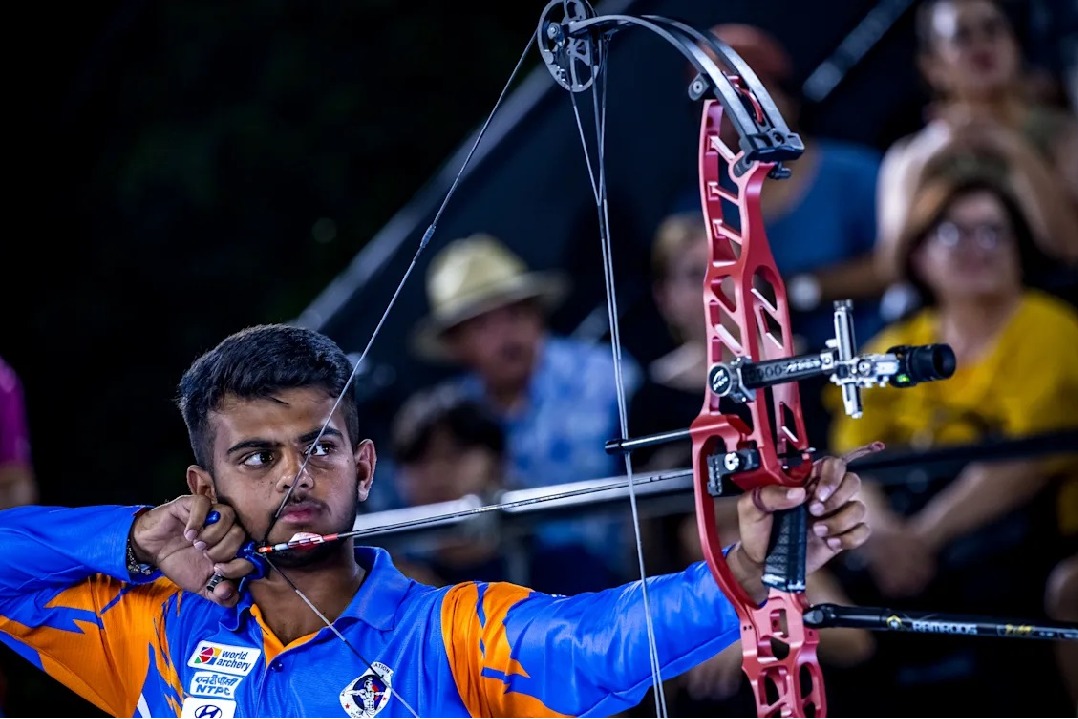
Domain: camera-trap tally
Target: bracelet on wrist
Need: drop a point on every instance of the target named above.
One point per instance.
(134, 567)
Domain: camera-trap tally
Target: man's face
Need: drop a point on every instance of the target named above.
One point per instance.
(258, 450)
(501, 345)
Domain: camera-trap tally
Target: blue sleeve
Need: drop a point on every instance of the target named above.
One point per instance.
(51, 547)
(518, 653)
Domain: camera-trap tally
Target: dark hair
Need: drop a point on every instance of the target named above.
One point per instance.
(932, 201)
(257, 363)
(444, 408)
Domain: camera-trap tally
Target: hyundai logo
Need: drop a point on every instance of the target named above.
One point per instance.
(208, 711)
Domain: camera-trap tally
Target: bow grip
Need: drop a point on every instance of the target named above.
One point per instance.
(784, 567)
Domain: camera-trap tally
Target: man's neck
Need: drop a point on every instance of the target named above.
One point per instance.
(329, 586)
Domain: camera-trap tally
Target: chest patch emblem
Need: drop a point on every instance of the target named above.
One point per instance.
(225, 658)
(369, 693)
(209, 684)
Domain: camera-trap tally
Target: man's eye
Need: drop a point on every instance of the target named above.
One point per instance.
(258, 459)
(319, 450)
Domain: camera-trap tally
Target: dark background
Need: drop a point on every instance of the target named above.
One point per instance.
(181, 170)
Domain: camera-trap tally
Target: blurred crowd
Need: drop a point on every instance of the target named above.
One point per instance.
(964, 232)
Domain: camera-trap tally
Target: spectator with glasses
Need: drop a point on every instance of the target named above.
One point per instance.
(984, 540)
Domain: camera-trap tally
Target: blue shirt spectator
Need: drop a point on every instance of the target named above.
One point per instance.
(556, 397)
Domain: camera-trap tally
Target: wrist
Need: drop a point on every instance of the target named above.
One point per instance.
(748, 573)
(134, 549)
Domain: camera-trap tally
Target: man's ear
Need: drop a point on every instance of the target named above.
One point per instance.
(199, 481)
(365, 461)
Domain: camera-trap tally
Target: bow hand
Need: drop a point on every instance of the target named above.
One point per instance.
(831, 518)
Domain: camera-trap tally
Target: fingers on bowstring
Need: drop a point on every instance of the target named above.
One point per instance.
(198, 508)
(217, 524)
(227, 546)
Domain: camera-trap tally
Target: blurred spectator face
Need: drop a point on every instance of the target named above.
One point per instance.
(971, 252)
(971, 48)
(678, 293)
(501, 345)
(447, 470)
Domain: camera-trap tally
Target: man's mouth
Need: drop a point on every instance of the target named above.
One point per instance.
(300, 512)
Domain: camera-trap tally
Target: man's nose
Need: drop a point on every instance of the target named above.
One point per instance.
(295, 472)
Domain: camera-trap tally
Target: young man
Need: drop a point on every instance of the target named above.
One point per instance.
(113, 601)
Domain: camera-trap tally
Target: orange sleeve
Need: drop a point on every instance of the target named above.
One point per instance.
(99, 638)
(479, 651)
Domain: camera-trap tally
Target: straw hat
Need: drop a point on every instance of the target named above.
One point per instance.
(474, 275)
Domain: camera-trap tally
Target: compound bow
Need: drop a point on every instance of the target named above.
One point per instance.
(750, 352)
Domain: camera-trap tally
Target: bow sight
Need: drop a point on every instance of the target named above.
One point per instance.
(738, 380)
(900, 366)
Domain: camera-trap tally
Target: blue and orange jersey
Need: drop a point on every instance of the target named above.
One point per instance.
(141, 646)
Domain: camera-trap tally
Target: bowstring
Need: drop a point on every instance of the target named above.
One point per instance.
(424, 241)
(599, 190)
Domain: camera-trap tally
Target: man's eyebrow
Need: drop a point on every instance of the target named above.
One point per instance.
(327, 432)
(254, 443)
(257, 443)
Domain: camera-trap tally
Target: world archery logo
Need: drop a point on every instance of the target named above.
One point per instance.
(369, 693)
(225, 658)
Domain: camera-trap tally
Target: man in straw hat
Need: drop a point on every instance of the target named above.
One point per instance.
(556, 396)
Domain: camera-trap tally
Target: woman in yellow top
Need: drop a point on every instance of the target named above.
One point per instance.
(969, 250)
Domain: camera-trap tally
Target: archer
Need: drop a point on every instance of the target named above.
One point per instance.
(113, 601)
